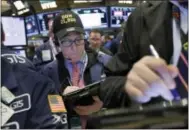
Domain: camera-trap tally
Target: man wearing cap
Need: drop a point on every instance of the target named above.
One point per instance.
(76, 66)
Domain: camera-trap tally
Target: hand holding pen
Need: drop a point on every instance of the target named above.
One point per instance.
(151, 77)
(173, 91)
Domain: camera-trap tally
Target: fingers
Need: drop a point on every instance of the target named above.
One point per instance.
(81, 112)
(173, 70)
(96, 98)
(146, 74)
(136, 94)
(150, 77)
(86, 110)
(159, 66)
(137, 81)
(70, 89)
(133, 90)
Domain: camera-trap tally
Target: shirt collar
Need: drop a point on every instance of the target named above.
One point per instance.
(83, 59)
(8, 78)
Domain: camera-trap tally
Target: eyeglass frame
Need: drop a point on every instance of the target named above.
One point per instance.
(76, 41)
(94, 39)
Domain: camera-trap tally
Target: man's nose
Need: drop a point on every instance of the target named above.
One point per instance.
(73, 47)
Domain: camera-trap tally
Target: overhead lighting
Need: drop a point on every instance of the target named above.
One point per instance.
(80, 1)
(4, 3)
(5, 6)
(23, 11)
(19, 5)
(86, 1)
(48, 4)
(95, 0)
(125, 1)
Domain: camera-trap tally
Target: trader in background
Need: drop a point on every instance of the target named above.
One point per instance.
(28, 99)
(46, 52)
(95, 42)
(164, 25)
(110, 44)
(75, 67)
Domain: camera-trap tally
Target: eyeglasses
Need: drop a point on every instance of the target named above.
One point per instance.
(95, 39)
(68, 43)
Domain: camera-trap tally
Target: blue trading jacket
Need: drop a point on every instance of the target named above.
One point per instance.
(31, 89)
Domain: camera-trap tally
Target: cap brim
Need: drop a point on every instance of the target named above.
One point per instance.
(64, 32)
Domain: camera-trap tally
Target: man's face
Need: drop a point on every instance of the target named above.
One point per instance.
(50, 23)
(72, 46)
(95, 40)
(103, 39)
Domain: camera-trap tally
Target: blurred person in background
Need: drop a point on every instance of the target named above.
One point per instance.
(120, 34)
(110, 44)
(47, 51)
(107, 40)
(95, 42)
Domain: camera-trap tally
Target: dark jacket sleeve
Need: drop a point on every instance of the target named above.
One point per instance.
(131, 50)
(114, 46)
(112, 93)
(106, 51)
(128, 53)
(40, 115)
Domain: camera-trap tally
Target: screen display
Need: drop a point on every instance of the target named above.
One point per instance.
(119, 15)
(37, 42)
(93, 17)
(31, 26)
(87, 34)
(20, 53)
(45, 19)
(14, 29)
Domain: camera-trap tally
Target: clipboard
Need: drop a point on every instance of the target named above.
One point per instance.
(83, 96)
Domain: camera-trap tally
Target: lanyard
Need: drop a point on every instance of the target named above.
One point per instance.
(177, 16)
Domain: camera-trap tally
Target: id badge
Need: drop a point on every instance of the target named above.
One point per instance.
(6, 113)
(6, 95)
(46, 55)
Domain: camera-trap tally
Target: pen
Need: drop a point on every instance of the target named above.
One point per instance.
(156, 55)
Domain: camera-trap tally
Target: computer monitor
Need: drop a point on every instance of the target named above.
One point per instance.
(44, 19)
(31, 26)
(93, 17)
(14, 28)
(119, 15)
(20, 53)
